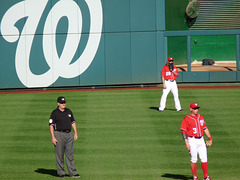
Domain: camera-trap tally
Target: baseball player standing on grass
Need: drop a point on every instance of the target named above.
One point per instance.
(169, 74)
(61, 123)
(193, 128)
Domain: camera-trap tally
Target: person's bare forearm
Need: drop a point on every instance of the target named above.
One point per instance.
(163, 81)
(74, 126)
(54, 140)
(206, 131)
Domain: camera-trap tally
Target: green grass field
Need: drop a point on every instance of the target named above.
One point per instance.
(121, 135)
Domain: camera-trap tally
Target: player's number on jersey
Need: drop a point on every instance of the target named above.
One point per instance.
(194, 130)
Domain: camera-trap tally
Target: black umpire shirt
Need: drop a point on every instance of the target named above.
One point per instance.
(62, 121)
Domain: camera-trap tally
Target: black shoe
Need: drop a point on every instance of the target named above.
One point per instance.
(62, 176)
(76, 176)
(180, 110)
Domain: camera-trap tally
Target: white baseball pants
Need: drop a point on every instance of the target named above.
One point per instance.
(197, 147)
(171, 86)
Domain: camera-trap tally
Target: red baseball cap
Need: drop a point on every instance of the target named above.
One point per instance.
(170, 59)
(194, 105)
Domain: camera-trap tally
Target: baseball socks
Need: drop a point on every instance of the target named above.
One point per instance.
(194, 170)
(205, 169)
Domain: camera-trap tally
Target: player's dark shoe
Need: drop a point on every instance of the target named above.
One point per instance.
(180, 110)
(207, 178)
(76, 176)
(62, 176)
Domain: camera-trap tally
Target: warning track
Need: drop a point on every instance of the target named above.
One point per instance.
(112, 89)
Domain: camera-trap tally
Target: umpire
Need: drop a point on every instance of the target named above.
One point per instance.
(61, 122)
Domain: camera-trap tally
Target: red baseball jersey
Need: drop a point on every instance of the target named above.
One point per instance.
(193, 126)
(167, 74)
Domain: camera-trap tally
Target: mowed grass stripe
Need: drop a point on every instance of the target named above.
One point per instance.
(117, 148)
(121, 134)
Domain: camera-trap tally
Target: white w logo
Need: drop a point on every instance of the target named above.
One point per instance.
(59, 66)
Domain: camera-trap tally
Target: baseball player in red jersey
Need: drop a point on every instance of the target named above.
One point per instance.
(193, 128)
(169, 74)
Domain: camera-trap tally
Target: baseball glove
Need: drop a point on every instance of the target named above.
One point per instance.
(171, 67)
(208, 143)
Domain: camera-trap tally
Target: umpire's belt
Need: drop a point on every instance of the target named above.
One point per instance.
(64, 131)
(195, 137)
(171, 80)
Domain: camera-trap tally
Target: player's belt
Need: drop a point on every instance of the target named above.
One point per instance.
(64, 131)
(195, 137)
(171, 80)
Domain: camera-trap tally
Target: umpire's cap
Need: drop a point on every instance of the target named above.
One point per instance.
(61, 100)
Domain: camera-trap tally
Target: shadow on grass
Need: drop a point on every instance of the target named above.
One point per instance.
(177, 176)
(154, 108)
(51, 172)
(166, 109)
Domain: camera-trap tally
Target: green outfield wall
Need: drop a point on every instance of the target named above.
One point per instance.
(52, 43)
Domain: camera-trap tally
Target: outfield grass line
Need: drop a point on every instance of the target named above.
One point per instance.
(180, 86)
